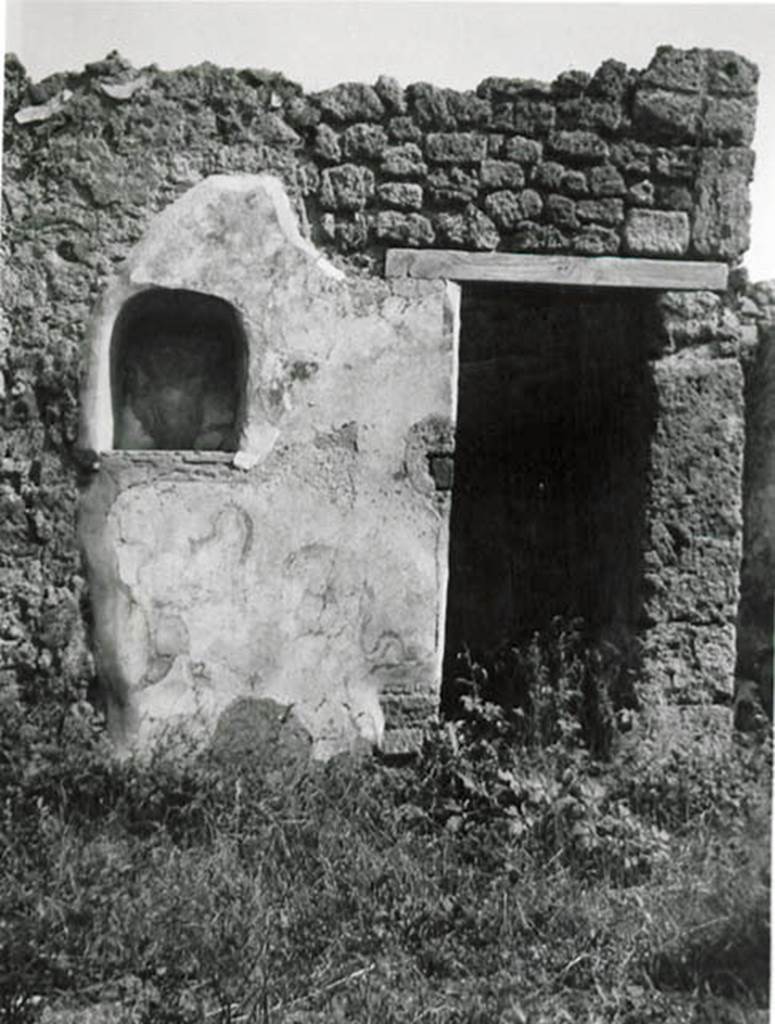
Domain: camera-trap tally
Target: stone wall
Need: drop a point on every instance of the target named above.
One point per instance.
(652, 163)
(756, 622)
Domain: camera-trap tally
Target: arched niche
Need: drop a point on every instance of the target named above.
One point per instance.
(178, 360)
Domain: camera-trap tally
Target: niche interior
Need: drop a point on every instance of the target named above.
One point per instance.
(178, 364)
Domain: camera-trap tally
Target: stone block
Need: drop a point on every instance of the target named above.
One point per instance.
(605, 180)
(502, 117)
(470, 230)
(276, 132)
(672, 196)
(428, 106)
(301, 114)
(569, 84)
(350, 102)
(667, 116)
(453, 187)
(687, 664)
(498, 87)
(531, 237)
(641, 194)
(547, 175)
(729, 74)
(391, 94)
(676, 164)
(676, 70)
(533, 117)
(347, 187)
(401, 194)
(326, 144)
(575, 183)
(578, 147)
(600, 211)
(307, 178)
(656, 233)
(455, 147)
(403, 162)
(729, 119)
(596, 241)
(496, 174)
(352, 233)
(722, 209)
(469, 110)
(688, 318)
(363, 142)
(561, 210)
(632, 158)
(693, 543)
(264, 731)
(589, 114)
(508, 208)
(522, 150)
(408, 229)
(610, 81)
(404, 129)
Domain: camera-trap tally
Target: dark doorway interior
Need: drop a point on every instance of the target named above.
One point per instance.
(178, 362)
(555, 419)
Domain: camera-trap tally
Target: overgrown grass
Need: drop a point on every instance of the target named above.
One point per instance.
(492, 879)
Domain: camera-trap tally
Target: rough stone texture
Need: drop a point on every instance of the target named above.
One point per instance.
(402, 195)
(309, 568)
(522, 150)
(403, 162)
(607, 135)
(578, 146)
(409, 229)
(596, 241)
(722, 212)
(347, 187)
(351, 101)
(452, 187)
(667, 117)
(456, 148)
(470, 230)
(656, 233)
(600, 211)
(694, 533)
(508, 208)
(363, 142)
(756, 621)
(497, 174)
(729, 120)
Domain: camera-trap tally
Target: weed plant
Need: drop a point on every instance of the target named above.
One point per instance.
(546, 857)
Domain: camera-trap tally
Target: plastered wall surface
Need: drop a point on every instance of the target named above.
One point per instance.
(309, 568)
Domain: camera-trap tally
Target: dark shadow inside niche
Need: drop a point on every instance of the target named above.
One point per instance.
(556, 412)
(178, 365)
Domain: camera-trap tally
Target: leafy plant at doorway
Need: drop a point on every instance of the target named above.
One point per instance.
(560, 686)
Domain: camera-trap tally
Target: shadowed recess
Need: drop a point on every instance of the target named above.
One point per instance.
(178, 361)
(556, 414)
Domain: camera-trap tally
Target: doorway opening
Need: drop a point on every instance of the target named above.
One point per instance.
(178, 366)
(556, 412)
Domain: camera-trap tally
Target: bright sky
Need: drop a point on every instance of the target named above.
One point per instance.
(447, 43)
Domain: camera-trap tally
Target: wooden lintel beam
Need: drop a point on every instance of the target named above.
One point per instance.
(572, 271)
